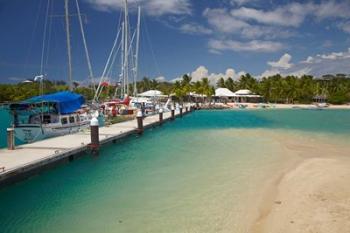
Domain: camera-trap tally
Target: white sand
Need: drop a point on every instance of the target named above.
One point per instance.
(284, 106)
(311, 196)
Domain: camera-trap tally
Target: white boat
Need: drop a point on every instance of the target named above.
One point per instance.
(49, 116)
(55, 114)
(129, 64)
(322, 105)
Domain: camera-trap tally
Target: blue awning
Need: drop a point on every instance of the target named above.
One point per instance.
(68, 102)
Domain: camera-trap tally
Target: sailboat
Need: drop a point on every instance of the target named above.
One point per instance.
(54, 114)
(129, 67)
(50, 115)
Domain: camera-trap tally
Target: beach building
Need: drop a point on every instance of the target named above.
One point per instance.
(152, 93)
(247, 96)
(224, 95)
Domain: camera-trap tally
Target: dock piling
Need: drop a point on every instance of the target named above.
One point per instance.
(139, 117)
(161, 116)
(172, 113)
(94, 133)
(180, 107)
(10, 138)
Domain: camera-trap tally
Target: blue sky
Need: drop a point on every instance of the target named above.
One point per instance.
(210, 38)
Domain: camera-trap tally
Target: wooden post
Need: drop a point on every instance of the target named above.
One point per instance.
(172, 113)
(180, 107)
(161, 116)
(10, 138)
(186, 109)
(95, 137)
(139, 117)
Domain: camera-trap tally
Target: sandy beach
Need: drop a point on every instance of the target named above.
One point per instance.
(311, 195)
(279, 106)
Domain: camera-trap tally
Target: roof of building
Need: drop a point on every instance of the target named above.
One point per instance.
(224, 92)
(243, 92)
(151, 93)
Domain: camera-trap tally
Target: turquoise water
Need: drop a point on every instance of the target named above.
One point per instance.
(5, 122)
(197, 174)
(337, 121)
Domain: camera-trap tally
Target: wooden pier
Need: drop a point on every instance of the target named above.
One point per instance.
(30, 159)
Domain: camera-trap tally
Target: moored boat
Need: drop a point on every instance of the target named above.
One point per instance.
(49, 115)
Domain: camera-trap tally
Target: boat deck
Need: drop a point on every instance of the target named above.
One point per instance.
(29, 157)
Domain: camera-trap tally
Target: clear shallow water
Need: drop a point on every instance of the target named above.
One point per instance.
(198, 174)
(4, 123)
(336, 121)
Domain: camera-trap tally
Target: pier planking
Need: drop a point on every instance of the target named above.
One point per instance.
(25, 159)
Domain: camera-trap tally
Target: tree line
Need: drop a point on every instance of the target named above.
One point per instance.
(275, 89)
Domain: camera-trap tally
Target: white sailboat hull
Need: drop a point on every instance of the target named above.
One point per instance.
(31, 133)
(59, 125)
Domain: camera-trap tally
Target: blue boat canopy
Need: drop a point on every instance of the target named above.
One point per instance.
(68, 102)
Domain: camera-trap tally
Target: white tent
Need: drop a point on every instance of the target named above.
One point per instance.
(224, 92)
(243, 92)
(152, 93)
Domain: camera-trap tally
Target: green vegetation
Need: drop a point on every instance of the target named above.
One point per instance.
(277, 89)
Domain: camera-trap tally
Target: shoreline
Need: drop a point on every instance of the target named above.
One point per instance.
(272, 106)
(310, 194)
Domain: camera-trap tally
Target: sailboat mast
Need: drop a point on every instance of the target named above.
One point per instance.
(91, 74)
(126, 48)
(122, 60)
(68, 46)
(137, 49)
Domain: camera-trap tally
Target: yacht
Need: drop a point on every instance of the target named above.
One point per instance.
(50, 115)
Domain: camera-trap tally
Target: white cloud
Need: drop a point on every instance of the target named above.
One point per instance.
(202, 72)
(241, 2)
(283, 62)
(160, 79)
(332, 56)
(277, 67)
(250, 46)
(151, 7)
(222, 21)
(321, 64)
(309, 60)
(262, 27)
(294, 14)
(199, 73)
(331, 9)
(196, 29)
(344, 26)
(284, 16)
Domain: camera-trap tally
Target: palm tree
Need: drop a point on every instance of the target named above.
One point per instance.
(221, 83)
(248, 82)
(230, 84)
